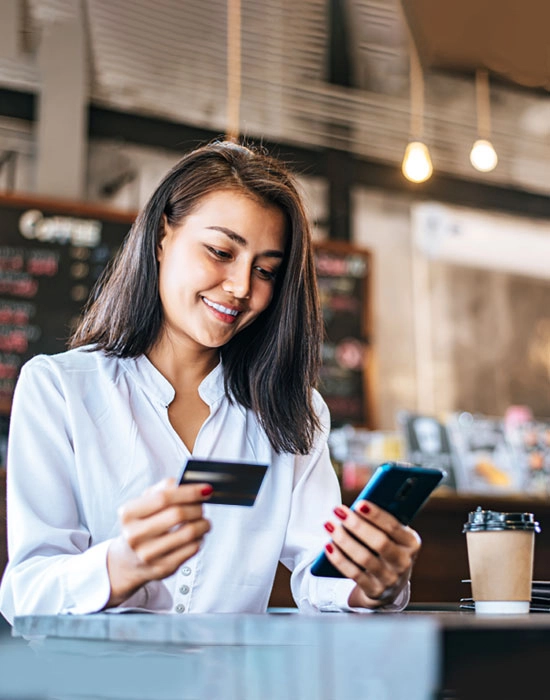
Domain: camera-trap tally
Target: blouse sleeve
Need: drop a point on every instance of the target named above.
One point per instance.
(52, 568)
(316, 492)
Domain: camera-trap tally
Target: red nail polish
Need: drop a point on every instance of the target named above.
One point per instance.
(329, 527)
(207, 490)
(364, 509)
(329, 548)
(340, 513)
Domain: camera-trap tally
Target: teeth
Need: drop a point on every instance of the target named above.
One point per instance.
(220, 308)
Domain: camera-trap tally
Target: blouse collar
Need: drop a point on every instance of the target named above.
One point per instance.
(211, 389)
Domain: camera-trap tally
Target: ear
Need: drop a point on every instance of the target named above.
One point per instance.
(161, 235)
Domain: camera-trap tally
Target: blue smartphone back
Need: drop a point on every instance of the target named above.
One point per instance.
(398, 487)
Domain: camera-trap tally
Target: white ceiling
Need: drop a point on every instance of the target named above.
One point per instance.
(168, 58)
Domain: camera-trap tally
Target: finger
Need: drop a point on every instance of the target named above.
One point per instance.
(384, 571)
(185, 535)
(366, 534)
(192, 493)
(380, 518)
(370, 583)
(379, 591)
(168, 482)
(375, 588)
(171, 562)
(358, 552)
(138, 530)
(161, 495)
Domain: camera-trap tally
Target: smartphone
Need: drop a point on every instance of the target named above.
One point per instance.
(398, 487)
(234, 483)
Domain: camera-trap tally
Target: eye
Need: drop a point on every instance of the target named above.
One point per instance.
(265, 274)
(217, 253)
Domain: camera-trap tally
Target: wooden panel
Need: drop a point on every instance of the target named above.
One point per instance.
(281, 596)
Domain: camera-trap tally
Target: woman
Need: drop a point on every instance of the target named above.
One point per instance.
(203, 339)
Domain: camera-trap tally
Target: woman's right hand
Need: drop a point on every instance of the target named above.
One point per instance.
(159, 531)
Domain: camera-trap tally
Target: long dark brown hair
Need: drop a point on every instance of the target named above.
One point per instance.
(272, 365)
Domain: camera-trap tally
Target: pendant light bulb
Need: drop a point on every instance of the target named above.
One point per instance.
(483, 156)
(417, 164)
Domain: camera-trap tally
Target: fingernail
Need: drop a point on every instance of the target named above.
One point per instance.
(364, 509)
(207, 490)
(329, 527)
(329, 548)
(340, 513)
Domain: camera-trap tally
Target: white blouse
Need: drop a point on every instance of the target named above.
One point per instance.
(89, 432)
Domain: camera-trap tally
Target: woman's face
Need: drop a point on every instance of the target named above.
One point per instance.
(217, 268)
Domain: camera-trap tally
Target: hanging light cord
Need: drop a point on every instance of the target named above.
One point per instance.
(417, 94)
(483, 104)
(233, 68)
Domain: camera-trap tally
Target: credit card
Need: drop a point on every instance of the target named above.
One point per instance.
(234, 483)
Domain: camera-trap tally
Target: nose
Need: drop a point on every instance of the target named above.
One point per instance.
(237, 282)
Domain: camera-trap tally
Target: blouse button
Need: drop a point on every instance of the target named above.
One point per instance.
(180, 608)
(184, 590)
(186, 570)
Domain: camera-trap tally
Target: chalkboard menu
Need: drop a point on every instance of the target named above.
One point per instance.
(344, 274)
(51, 254)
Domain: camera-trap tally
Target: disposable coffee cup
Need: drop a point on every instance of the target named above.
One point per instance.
(501, 549)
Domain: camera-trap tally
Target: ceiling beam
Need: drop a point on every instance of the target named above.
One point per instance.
(454, 190)
(163, 133)
(18, 105)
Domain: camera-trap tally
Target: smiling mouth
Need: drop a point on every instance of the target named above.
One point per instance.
(219, 307)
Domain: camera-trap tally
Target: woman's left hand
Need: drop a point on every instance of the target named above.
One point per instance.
(371, 547)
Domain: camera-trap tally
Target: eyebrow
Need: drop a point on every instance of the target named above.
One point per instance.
(243, 242)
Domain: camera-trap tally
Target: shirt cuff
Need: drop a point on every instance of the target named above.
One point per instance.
(86, 581)
(89, 587)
